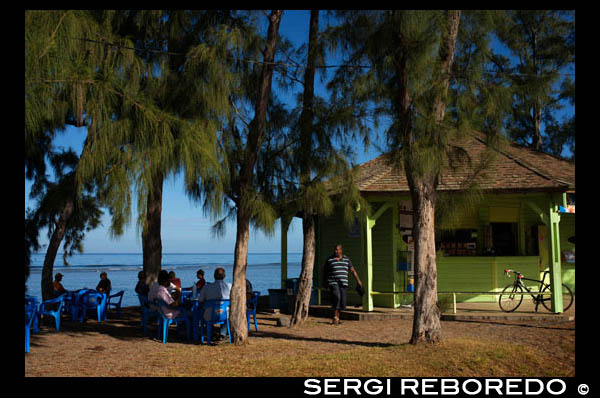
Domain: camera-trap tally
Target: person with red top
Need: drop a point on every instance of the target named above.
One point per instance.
(199, 284)
(175, 285)
(174, 280)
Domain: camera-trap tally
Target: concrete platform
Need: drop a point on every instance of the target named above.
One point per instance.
(464, 311)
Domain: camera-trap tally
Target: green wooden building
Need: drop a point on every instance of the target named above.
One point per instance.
(520, 224)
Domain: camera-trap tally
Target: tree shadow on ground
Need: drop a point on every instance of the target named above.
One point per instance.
(287, 336)
(128, 327)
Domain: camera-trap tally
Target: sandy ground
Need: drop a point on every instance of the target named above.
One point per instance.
(117, 347)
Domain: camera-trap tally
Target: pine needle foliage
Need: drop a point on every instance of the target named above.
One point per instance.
(166, 124)
(71, 77)
(257, 199)
(542, 45)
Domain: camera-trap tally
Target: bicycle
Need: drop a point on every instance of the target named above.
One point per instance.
(512, 295)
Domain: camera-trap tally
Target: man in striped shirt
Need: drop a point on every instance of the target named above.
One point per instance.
(336, 270)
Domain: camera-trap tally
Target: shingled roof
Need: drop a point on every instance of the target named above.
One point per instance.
(512, 168)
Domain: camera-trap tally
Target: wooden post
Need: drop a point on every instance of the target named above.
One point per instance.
(555, 264)
(367, 279)
(367, 241)
(285, 224)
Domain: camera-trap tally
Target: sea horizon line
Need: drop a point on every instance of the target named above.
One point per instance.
(172, 253)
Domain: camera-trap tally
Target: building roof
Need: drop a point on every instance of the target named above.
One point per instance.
(511, 167)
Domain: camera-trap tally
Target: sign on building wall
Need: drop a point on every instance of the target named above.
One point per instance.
(405, 224)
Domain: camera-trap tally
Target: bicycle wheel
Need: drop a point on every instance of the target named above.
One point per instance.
(511, 298)
(567, 297)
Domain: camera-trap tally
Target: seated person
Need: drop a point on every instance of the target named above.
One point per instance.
(248, 295)
(159, 291)
(175, 281)
(58, 287)
(174, 286)
(199, 284)
(142, 287)
(104, 284)
(215, 291)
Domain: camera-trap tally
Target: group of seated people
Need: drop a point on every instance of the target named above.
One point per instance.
(168, 288)
(103, 286)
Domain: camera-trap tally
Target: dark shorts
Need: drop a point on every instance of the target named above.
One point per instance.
(338, 296)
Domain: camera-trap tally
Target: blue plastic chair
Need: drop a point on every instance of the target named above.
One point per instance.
(67, 301)
(75, 303)
(31, 313)
(186, 294)
(219, 314)
(253, 302)
(197, 311)
(92, 301)
(46, 309)
(114, 303)
(165, 322)
(147, 311)
(33, 303)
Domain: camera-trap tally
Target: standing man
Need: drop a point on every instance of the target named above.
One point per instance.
(336, 271)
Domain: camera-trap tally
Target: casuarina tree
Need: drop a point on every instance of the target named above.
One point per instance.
(403, 62)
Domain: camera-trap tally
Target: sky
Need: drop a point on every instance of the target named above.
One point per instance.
(184, 228)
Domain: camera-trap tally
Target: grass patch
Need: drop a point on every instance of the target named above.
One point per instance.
(453, 357)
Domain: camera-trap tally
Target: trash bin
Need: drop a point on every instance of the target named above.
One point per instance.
(277, 299)
(410, 287)
(291, 286)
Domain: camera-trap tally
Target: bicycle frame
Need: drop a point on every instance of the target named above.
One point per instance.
(537, 298)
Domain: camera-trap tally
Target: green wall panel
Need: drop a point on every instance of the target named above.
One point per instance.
(383, 258)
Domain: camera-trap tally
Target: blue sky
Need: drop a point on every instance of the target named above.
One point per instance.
(184, 228)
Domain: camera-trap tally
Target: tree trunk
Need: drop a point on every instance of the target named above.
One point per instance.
(151, 240)
(237, 311)
(53, 246)
(302, 302)
(423, 182)
(300, 312)
(237, 314)
(537, 107)
(426, 321)
(537, 120)
(260, 111)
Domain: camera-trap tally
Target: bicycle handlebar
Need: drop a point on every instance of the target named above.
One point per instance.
(508, 271)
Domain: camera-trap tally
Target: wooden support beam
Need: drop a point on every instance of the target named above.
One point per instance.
(285, 224)
(555, 263)
(380, 211)
(367, 277)
(543, 216)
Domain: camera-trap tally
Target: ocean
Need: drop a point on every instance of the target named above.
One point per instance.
(263, 271)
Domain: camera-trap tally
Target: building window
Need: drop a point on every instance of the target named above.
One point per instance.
(457, 242)
(504, 239)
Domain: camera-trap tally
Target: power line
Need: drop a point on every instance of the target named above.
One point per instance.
(168, 53)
